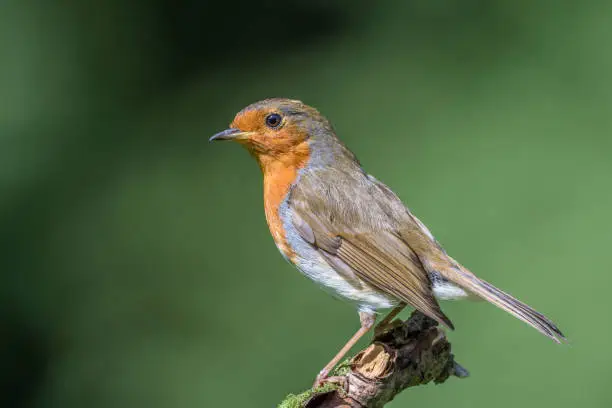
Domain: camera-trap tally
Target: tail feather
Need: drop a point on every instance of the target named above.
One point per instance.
(505, 301)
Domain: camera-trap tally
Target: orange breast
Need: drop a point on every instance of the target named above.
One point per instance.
(279, 174)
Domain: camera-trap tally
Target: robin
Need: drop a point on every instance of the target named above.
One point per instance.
(349, 232)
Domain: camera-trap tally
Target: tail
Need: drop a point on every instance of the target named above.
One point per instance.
(467, 280)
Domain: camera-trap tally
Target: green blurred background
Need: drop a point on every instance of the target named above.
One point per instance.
(137, 268)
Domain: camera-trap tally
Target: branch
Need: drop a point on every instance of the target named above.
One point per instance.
(414, 352)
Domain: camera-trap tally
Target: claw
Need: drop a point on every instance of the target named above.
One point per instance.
(321, 378)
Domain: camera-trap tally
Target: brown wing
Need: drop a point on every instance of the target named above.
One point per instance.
(354, 247)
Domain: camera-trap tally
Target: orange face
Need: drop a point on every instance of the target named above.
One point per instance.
(272, 129)
(268, 131)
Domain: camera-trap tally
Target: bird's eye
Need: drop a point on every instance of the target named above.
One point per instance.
(273, 120)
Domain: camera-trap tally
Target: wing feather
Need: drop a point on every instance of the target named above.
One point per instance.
(380, 259)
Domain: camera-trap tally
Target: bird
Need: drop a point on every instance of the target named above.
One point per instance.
(347, 231)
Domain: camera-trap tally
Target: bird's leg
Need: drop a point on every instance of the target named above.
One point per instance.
(367, 320)
(386, 321)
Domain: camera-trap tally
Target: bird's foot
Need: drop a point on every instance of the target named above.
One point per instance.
(323, 378)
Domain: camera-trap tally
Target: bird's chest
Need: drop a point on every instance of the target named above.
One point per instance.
(279, 215)
(277, 184)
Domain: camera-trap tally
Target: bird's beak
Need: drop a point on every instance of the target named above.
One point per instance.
(230, 134)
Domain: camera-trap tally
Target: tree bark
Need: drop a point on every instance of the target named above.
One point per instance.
(414, 352)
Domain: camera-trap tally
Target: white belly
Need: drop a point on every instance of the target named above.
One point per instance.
(366, 298)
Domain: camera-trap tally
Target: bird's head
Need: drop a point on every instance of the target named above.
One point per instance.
(277, 129)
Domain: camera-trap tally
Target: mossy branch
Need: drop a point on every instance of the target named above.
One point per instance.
(414, 352)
